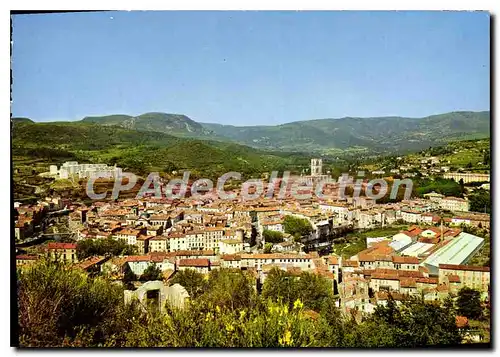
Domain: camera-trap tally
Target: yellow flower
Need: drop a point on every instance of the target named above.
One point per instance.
(298, 304)
(217, 309)
(287, 339)
(229, 328)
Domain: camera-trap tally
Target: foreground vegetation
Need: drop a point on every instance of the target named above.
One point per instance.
(61, 306)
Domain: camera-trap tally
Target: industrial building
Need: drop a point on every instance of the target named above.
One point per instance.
(456, 251)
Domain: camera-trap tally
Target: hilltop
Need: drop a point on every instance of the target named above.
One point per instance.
(175, 124)
(22, 120)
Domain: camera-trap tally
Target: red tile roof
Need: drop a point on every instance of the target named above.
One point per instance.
(380, 248)
(350, 263)
(442, 288)
(386, 275)
(461, 321)
(463, 267)
(208, 252)
(229, 257)
(89, 262)
(276, 256)
(383, 295)
(423, 269)
(333, 260)
(61, 246)
(201, 262)
(424, 280)
(26, 257)
(155, 238)
(414, 231)
(405, 260)
(408, 283)
(138, 258)
(397, 273)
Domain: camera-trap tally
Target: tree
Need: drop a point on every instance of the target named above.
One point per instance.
(298, 227)
(486, 157)
(462, 185)
(268, 247)
(272, 236)
(108, 246)
(469, 303)
(415, 323)
(191, 280)
(152, 272)
(128, 276)
(280, 286)
(229, 288)
(480, 201)
(313, 290)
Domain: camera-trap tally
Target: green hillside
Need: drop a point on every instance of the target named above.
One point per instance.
(345, 136)
(141, 151)
(382, 134)
(21, 120)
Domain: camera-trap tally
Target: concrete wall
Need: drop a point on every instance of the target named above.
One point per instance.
(176, 295)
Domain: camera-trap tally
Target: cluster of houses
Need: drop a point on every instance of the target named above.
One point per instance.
(428, 262)
(32, 219)
(207, 233)
(432, 166)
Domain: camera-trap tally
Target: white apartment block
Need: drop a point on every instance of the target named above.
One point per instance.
(467, 177)
(302, 261)
(73, 168)
(454, 204)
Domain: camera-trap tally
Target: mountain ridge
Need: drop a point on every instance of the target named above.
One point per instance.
(328, 135)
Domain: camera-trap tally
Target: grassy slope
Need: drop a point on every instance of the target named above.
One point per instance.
(138, 150)
(382, 134)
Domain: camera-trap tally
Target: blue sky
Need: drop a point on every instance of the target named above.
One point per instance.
(249, 68)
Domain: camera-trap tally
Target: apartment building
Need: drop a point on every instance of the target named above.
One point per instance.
(65, 252)
(474, 277)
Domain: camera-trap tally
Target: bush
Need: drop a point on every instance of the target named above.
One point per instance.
(58, 304)
(313, 290)
(61, 306)
(191, 280)
(152, 272)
